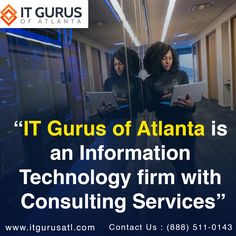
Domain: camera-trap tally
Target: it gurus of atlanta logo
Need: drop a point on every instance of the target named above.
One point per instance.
(44, 14)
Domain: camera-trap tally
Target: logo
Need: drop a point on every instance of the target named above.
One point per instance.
(8, 14)
(30, 14)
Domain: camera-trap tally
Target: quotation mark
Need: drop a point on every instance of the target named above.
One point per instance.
(220, 196)
(18, 124)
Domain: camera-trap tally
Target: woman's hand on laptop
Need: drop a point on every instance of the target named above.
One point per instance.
(105, 108)
(187, 102)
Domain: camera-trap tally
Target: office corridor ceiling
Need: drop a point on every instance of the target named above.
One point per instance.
(184, 20)
(105, 29)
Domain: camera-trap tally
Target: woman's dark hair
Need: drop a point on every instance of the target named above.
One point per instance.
(133, 61)
(153, 56)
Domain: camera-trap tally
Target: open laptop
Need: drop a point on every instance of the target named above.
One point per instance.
(195, 91)
(99, 98)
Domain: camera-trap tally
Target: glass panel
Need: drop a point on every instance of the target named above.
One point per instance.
(186, 62)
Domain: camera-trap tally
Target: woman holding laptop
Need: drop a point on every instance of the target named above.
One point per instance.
(125, 85)
(161, 63)
(128, 91)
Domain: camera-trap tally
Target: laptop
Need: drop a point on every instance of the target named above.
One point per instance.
(195, 91)
(99, 98)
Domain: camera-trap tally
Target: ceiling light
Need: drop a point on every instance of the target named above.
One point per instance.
(112, 10)
(181, 35)
(33, 40)
(201, 6)
(116, 6)
(167, 19)
(119, 43)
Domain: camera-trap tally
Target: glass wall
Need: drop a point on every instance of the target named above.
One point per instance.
(186, 62)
